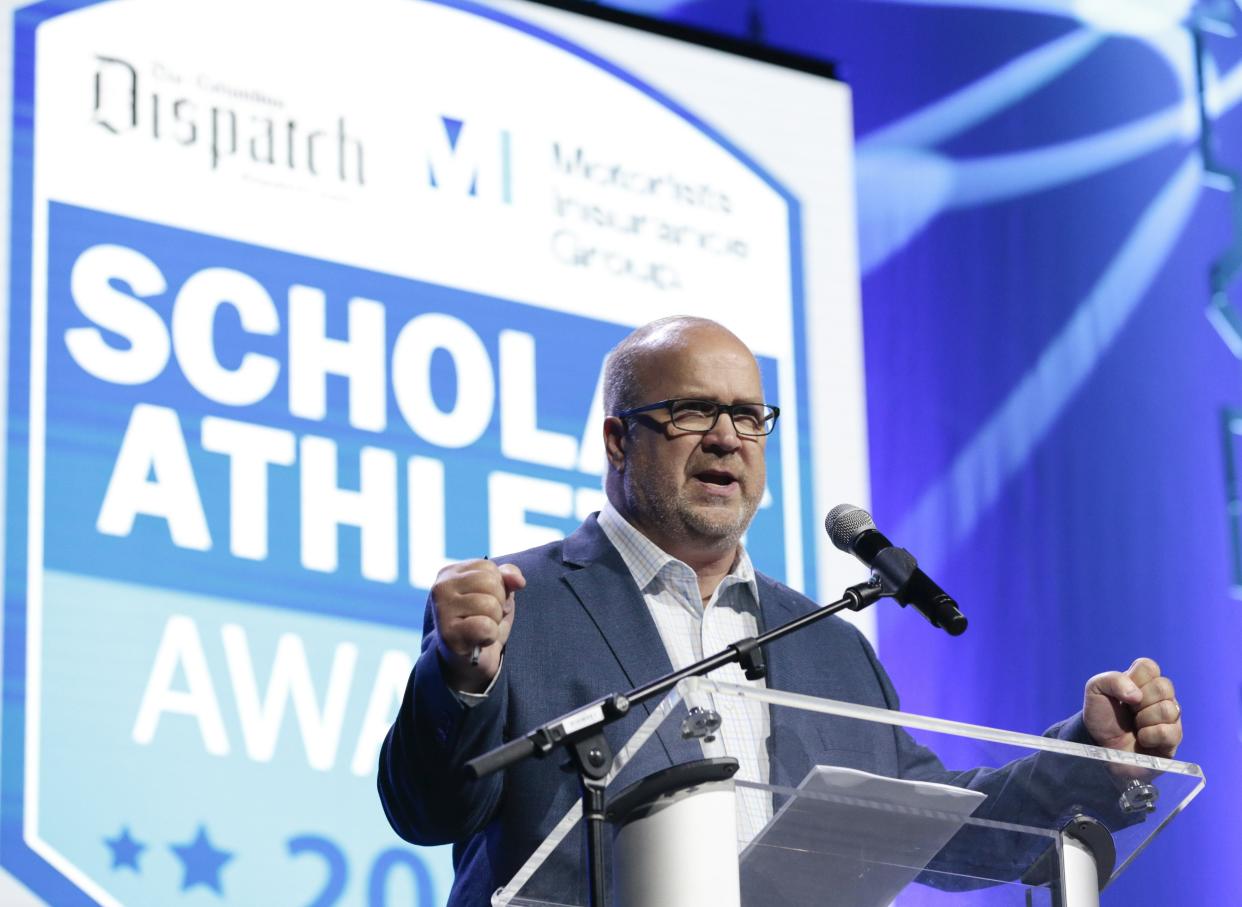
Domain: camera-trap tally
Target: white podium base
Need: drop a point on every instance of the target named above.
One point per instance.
(680, 849)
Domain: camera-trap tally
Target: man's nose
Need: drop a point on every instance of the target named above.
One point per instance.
(723, 435)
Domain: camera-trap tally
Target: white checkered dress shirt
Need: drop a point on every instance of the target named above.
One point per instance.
(690, 631)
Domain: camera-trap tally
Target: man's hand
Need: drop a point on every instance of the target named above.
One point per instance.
(474, 607)
(1133, 711)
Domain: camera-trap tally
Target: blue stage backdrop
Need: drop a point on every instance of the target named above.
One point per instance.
(307, 300)
(1051, 414)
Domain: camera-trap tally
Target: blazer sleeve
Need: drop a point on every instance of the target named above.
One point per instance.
(1044, 790)
(422, 784)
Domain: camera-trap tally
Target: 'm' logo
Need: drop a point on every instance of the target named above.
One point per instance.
(472, 161)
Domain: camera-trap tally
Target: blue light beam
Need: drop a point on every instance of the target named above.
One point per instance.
(948, 511)
(900, 191)
(999, 89)
(1122, 17)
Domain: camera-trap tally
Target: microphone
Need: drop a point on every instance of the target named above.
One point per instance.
(852, 529)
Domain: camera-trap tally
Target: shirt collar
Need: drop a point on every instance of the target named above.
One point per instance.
(645, 559)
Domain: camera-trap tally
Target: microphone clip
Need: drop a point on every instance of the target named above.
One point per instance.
(900, 578)
(894, 567)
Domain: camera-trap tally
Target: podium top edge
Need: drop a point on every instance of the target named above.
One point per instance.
(939, 725)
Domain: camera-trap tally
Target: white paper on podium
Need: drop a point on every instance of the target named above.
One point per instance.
(858, 839)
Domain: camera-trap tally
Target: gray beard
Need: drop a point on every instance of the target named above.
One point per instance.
(719, 526)
(723, 525)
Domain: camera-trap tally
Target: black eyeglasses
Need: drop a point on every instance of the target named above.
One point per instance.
(750, 419)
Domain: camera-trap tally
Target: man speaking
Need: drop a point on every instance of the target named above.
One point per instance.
(655, 581)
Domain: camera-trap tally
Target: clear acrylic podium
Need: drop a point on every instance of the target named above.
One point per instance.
(1012, 819)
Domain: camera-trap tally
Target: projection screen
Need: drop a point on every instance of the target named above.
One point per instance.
(308, 299)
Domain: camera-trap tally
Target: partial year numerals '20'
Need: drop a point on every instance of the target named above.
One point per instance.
(388, 861)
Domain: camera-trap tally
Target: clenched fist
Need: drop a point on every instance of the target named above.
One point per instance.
(1135, 710)
(474, 608)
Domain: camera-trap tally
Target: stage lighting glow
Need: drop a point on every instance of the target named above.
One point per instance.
(1120, 17)
(999, 89)
(900, 191)
(1132, 17)
(949, 510)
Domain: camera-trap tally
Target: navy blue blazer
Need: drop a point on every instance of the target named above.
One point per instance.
(581, 631)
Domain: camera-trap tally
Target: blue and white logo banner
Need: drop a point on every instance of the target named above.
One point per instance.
(297, 320)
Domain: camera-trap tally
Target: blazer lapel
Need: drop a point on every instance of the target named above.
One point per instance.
(602, 583)
(775, 608)
(790, 668)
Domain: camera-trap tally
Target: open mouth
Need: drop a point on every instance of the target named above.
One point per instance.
(716, 477)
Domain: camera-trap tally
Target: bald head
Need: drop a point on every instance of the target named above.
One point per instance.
(692, 492)
(630, 364)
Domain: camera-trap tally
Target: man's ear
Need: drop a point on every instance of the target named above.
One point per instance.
(614, 442)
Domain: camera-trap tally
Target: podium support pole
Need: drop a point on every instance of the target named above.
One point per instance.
(1088, 855)
(1080, 883)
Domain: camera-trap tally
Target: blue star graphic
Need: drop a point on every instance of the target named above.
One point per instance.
(125, 850)
(202, 862)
